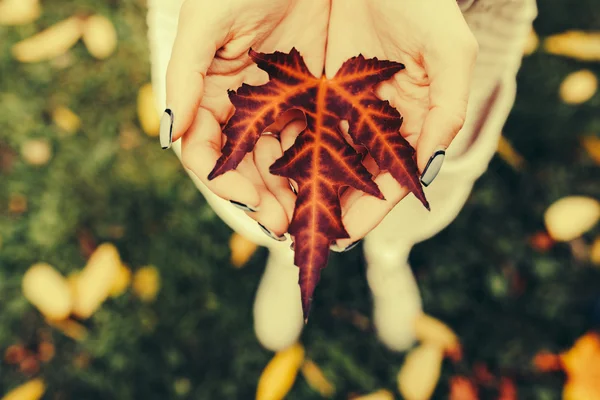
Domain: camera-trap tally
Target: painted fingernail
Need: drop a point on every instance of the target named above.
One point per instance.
(292, 246)
(166, 129)
(270, 234)
(338, 249)
(433, 166)
(292, 187)
(243, 207)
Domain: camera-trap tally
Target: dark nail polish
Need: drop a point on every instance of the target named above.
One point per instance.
(166, 129)
(433, 166)
(337, 249)
(270, 234)
(243, 207)
(292, 187)
(292, 246)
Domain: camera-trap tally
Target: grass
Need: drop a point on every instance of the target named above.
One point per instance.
(110, 182)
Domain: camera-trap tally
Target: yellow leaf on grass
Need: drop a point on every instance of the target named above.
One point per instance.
(420, 373)
(580, 45)
(50, 43)
(121, 282)
(70, 328)
(32, 390)
(19, 12)
(578, 87)
(591, 144)
(241, 249)
(66, 119)
(316, 379)
(433, 331)
(36, 152)
(94, 283)
(378, 395)
(570, 217)
(48, 291)
(582, 366)
(147, 112)
(279, 375)
(508, 153)
(99, 36)
(595, 252)
(146, 283)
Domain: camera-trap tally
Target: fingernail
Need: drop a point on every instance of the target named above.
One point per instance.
(166, 129)
(243, 207)
(292, 246)
(433, 166)
(338, 249)
(270, 234)
(292, 187)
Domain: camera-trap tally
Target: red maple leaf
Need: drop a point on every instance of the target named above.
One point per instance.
(321, 162)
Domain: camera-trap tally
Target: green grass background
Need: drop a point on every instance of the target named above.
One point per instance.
(196, 341)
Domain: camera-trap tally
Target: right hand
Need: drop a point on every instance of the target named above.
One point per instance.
(432, 39)
(210, 56)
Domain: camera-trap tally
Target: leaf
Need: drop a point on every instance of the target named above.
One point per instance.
(321, 161)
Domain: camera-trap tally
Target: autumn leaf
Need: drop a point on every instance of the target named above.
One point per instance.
(321, 161)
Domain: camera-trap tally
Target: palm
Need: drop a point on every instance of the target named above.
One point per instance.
(280, 27)
(388, 31)
(265, 26)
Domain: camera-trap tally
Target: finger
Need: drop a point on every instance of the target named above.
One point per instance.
(200, 150)
(288, 136)
(271, 215)
(199, 34)
(449, 66)
(267, 151)
(368, 211)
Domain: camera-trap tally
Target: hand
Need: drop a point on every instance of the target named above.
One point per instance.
(433, 41)
(210, 56)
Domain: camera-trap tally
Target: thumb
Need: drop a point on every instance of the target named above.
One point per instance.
(449, 67)
(199, 34)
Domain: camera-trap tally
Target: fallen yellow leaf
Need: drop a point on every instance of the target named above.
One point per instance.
(19, 12)
(36, 152)
(100, 36)
(591, 144)
(570, 217)
(32, 390)
(578, 87)
(50, 43)
(241, 249)
(70, 328)
(48, 291)
(121, 282)
(420, 373)
(147, 112)
(146, 283)
(378, 395)
(580, 45)
(66, 120)
(279, 375)
(95, 281)
(507, 152)
(316, 379)
(582, 366)
(433, 331)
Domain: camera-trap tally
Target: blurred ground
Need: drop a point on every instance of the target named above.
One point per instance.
(109, 182)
